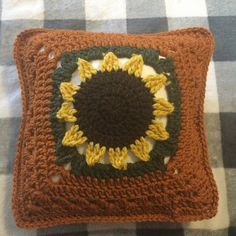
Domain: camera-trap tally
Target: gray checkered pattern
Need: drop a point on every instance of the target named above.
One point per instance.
(131, 16)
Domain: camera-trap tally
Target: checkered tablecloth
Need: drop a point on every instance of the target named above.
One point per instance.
(131, 16)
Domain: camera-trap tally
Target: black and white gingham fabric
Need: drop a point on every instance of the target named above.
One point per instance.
(131, 16)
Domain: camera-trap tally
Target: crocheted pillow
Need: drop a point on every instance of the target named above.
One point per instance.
(112, 128)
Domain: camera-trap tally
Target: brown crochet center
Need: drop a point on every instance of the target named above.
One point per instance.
(114, 108)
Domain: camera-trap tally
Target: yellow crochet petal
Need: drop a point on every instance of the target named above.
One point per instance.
(86, 70)
(66, 113)
(162, 107)
(110, 62)
(94, 153)
(118, 157)
(157, 131)
(134, 65)
(155, 82)
(73, 137)
(141, 149)
(68, 90)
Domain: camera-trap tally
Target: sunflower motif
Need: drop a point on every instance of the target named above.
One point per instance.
(114, 110)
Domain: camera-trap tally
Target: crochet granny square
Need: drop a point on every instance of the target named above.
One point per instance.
(112, 128)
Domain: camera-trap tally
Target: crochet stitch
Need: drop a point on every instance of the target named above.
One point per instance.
(107, 106)
(88, 189)
(166, 147)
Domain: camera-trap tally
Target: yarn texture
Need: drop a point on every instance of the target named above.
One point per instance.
(130, 124)
(84, 132)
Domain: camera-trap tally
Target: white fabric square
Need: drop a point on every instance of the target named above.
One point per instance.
(110, 229)
(185, 8)
(211, 103)
(7, 223)
(22, 9)
(221, 220)
(105, 9)
(10, 99)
